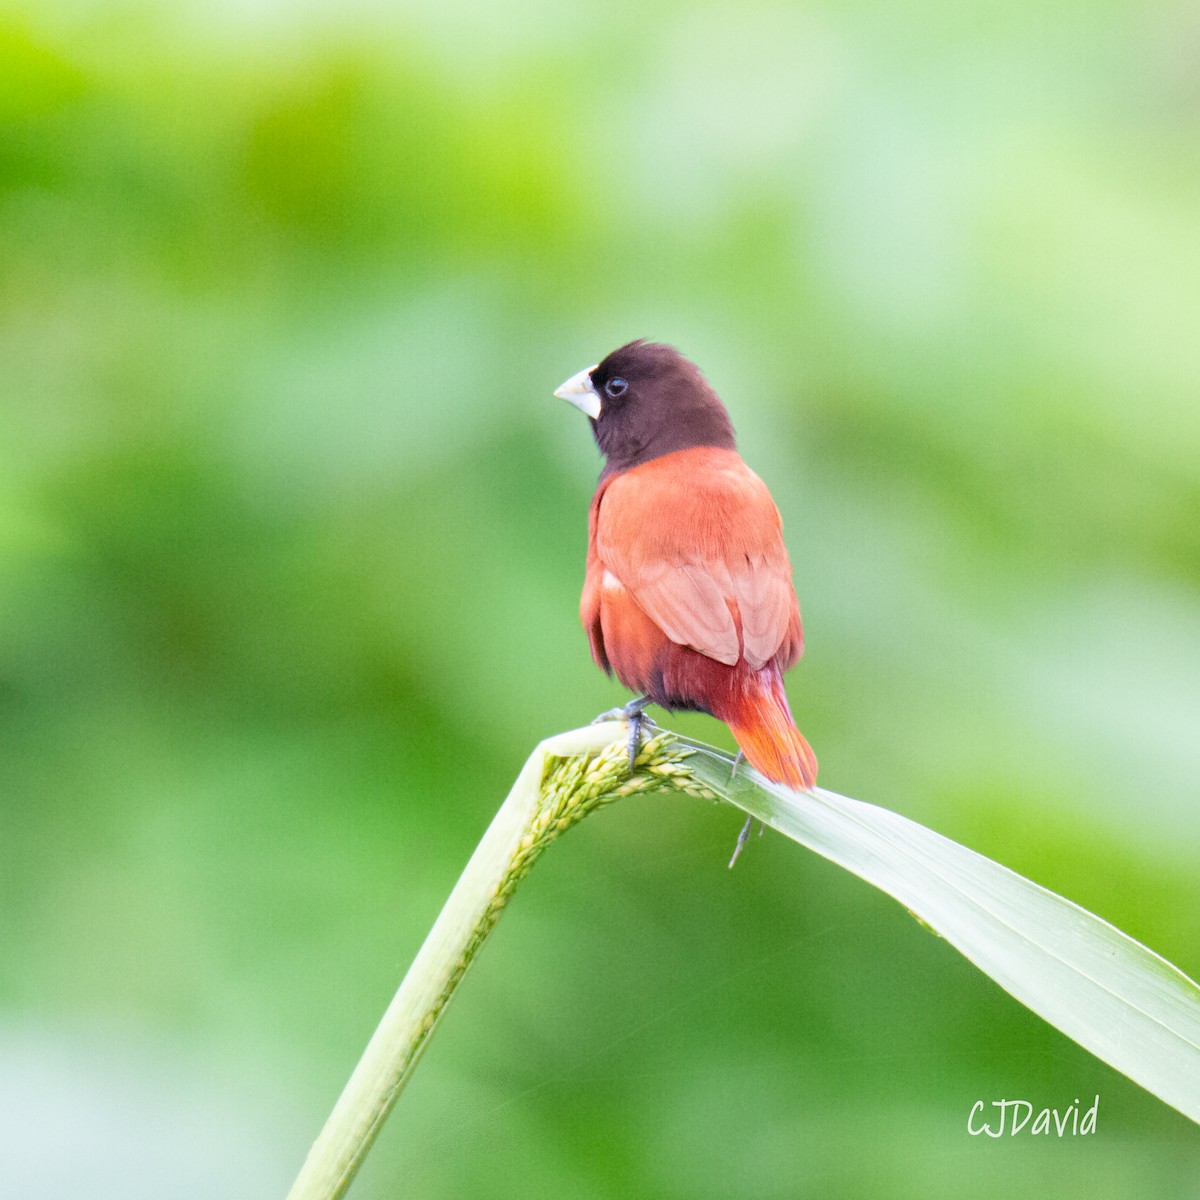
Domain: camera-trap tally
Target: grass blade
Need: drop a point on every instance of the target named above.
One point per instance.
(1121, 1001)
(1112, 995)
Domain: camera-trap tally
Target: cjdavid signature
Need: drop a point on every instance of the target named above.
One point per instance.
(1069, 1123)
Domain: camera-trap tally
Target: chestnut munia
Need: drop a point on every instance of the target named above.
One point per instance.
(688, 595)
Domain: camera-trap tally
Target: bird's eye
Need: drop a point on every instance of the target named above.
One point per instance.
(616, 387)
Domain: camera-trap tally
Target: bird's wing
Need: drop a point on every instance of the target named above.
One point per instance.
(696, 540)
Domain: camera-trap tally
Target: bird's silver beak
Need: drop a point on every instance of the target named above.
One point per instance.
(578, 391)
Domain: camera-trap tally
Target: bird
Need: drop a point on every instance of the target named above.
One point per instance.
(687, 595)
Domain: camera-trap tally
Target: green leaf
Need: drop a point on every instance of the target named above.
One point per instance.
(1109, 993)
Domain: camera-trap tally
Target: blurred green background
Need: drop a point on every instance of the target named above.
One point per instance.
(292, 535)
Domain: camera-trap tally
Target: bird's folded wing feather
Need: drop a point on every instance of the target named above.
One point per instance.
(699, 547)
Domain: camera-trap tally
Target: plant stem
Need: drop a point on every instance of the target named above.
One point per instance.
(564, 779)
(1113, 996)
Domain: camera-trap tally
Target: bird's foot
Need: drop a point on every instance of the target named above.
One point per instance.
(634, 713)
(737, 762)
(744, 837)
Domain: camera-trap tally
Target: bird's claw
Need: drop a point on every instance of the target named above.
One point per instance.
(634, 713)
(744, 837)
(638, 725)
(611, 714)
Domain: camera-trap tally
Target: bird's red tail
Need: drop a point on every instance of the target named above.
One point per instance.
(763, 726)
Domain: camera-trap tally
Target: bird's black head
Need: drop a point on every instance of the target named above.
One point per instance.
(647, 400)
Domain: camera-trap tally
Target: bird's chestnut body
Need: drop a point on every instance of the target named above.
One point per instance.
(688, 593)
